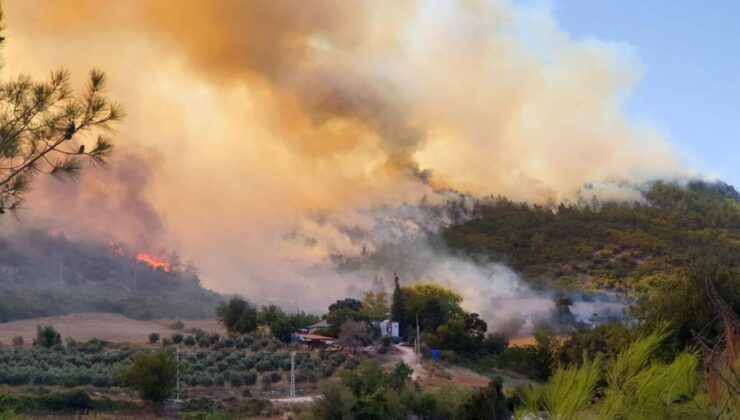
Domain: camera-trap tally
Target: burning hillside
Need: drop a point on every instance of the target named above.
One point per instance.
(43, 274)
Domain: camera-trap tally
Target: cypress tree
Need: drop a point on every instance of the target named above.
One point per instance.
(397, 307)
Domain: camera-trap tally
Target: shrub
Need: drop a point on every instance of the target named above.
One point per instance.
(47, 337)
(250, 378)
(177, 338)
(275, 377)
(189, 340)
(177, 325)
(152, 375)
(266, 382)
(18, 341)
(236, 381)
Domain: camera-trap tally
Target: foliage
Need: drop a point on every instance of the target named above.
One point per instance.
(152, 375)
(375, 306)
(47, 337)
(282, 324)
(631, 385)
(44, 129)
(486, 403)
(353, 334)
(369, 392)
(237, 316)
(398, 306)
(153, 338)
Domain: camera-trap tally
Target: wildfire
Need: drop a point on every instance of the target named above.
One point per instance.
(153, 262)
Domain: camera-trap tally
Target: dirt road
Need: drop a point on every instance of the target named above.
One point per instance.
(409, 357)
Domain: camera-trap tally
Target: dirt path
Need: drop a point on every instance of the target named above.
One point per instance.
(409, 357)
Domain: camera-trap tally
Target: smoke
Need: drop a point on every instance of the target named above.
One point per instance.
(277, 127)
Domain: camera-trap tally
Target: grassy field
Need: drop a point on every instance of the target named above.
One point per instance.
(103, 326)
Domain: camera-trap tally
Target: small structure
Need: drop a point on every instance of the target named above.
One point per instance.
(312, 340)
(389, 328)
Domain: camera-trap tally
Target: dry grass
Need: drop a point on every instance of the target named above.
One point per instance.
(104, 326)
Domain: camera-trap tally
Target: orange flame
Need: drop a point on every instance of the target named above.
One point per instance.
(153, 263)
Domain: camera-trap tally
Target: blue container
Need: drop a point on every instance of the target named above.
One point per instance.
(435, 354)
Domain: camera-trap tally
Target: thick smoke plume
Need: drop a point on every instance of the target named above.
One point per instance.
(263, 118)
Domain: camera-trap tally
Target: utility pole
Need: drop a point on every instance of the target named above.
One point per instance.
(292, 375)
(416, 346)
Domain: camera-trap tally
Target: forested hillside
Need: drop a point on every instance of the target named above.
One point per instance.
(608, 245)
(43, 274)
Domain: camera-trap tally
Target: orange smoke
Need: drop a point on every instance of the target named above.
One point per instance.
(153, 262)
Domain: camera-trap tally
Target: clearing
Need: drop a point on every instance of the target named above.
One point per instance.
(104, 326)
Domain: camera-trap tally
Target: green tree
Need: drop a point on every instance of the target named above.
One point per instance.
(375, 305)
(152, 375)
(486, 403)
(46, 129)
(398, 306)
(237, 316)
(47, 337)
(632, 385)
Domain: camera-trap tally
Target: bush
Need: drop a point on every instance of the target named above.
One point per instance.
(47, 337)
(177, 325)
(177, 338)
(275, 377)
(189, 340)
(266, 381)
(18, 341)
(250, 378)
(152, 375)
(153, 338)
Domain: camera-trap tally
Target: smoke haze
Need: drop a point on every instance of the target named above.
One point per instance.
(261, 134)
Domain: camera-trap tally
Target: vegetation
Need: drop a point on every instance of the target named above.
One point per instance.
(47, 337)
(93, 279)
(611, 245)
(367, 391)
(632, 385)
(44, 129)
(152, 375)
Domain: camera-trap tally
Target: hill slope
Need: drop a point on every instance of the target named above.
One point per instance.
(43, 274)
(608, 245)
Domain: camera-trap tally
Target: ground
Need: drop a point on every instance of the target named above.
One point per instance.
(103, 326)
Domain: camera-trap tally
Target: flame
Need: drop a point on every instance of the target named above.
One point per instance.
(153, 262)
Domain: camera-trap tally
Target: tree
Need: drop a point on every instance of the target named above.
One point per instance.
(237, 316)
(349, 303)
(634, 384)
(398, 309)
(353, 334)
(486, 403)
(374, 305)
(44, 128)
(18, 341)
(152, 375)
(153, 338)
(47, 337)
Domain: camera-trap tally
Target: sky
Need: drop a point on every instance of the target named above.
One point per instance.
(260, 138)
(691, 60)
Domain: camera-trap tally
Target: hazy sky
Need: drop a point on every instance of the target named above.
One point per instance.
(691, 58)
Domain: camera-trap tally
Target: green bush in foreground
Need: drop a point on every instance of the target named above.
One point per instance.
(152, 375)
